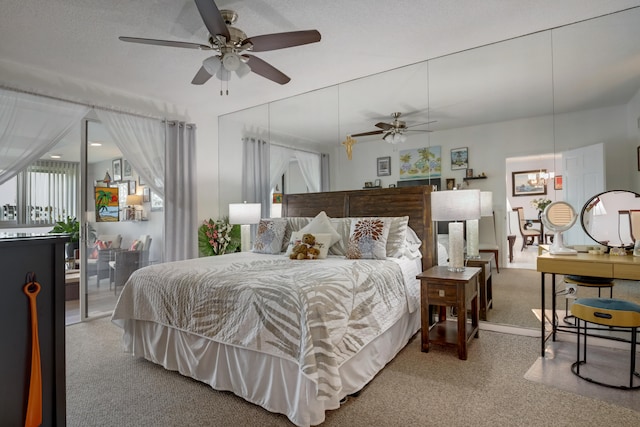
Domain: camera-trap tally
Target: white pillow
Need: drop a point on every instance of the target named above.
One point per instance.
(322, 243)
(412, 245)
(321, 224)
(368, 238)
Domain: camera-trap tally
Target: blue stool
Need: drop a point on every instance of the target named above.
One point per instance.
(618, 315)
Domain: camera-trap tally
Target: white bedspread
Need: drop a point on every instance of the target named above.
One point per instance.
(316, 313)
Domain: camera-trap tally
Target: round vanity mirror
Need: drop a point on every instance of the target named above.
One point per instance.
(559, 217)
(612, 218)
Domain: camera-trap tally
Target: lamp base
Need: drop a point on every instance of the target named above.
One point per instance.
(245, 238)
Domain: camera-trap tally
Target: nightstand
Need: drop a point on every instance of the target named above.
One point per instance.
(484, 279)
(441, 287)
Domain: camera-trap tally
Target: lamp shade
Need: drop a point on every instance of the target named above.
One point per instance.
(454, 205)
(134, 200)
(486, 203)
(244, 213)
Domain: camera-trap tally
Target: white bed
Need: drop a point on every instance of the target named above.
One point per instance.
(343, 342)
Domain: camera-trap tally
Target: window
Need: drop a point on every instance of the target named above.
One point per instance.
(43, 193)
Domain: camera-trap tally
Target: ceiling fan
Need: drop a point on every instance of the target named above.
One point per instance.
(231, 43)
(394, 131)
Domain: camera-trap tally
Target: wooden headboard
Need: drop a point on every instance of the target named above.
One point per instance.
(414, 202)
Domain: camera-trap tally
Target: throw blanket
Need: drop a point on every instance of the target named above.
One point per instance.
(316, 313)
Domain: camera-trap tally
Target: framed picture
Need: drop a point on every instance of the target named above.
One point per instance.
(132, 186)
(528, 183)
(141, 180)
(469, 173)
(377, 183)
(116, 164)
(107, 204)
(127, 173)
(451, 183)
(557, 182)
(384, 166)
(420, 163)
(459, 158)
(146, 194)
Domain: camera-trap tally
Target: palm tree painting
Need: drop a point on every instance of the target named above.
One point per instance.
(107, 208)
(420, 163)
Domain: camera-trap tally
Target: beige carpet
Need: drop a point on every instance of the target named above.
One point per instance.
(106, 387)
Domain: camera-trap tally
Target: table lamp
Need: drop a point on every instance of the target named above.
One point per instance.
(245, 214)
(455, 205)
(473, 241)
(134, 202)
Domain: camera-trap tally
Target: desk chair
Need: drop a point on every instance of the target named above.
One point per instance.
(487, 240)
(528, 234)
(586, 282)
(619, 315)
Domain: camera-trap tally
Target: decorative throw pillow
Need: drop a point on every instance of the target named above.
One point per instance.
(397, 236)
(322, 224)
(136, 245)
(98, 246)
(269, 236)
(315, 246)
(343, 227)
(368, 238)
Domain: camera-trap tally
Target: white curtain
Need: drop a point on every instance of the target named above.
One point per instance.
(279, 162)
(29, 126)
(256, 184)
(180, 216)
(309, 164)
(142, 142)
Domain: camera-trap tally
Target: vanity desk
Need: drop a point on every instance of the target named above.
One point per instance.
(582, 264)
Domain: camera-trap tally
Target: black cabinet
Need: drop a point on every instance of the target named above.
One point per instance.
(43, 255)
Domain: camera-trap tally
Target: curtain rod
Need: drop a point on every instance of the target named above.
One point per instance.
(86, 104)
(294, 148)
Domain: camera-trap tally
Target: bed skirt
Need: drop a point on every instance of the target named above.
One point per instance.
(274, 383)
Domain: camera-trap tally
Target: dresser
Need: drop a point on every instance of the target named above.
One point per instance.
(43, 255)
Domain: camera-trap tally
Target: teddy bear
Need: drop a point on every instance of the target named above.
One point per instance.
(303, 249)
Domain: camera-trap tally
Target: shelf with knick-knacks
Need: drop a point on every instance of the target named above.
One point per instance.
(471, 177)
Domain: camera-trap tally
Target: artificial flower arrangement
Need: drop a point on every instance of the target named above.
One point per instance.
(541, 203)
(217, 237)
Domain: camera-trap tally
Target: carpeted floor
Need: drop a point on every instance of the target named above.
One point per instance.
(106, 387)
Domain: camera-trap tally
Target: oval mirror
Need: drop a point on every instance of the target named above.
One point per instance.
(558, 217)
(609, 218)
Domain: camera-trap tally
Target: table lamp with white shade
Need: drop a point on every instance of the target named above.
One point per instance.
(455, 205)
(245, 214)
(473, 232)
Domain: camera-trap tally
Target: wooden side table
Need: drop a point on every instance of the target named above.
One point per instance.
(441, 287)
(484, 280)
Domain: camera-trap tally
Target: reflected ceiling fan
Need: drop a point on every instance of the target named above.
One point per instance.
(394, 131)
(231, 43)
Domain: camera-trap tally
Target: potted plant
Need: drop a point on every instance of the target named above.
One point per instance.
(70, 226)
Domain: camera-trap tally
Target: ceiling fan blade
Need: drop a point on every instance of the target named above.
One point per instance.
(280, 40)
(212, 18)
(169, 43)
(384, 126)
(266, 70)
(201, 77)
(373, 132)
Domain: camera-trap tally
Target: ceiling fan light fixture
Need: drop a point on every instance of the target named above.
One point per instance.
(243, 69)
(212, 65)
(231, 61)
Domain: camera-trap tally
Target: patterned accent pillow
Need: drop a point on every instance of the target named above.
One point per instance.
(368, 238)
(322, 224)
(98, 246)
(320, 246)
(343, 227)
(269, 236)
(397, 236)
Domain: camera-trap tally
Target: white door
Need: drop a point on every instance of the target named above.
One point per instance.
(583, 178)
